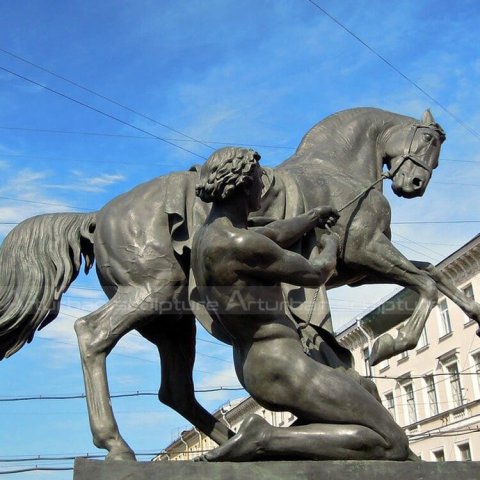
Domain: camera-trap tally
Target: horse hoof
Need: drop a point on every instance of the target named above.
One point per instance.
(383, 348)
(121, 456)
(200, 458)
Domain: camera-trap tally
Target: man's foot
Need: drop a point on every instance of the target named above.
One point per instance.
(245, 446)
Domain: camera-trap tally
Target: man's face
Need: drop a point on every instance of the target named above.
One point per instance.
(254, 191)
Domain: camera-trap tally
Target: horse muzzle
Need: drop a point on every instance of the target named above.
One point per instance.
(410, 186)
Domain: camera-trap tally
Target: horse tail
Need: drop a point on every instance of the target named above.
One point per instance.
(39, 259)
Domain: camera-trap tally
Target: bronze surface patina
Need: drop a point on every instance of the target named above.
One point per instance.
(142, 244)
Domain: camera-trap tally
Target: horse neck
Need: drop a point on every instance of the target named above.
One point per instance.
(354, 145)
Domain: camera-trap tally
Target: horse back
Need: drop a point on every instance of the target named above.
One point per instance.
(136, 232)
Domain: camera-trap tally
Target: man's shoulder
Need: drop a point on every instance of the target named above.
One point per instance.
(251, 241)
(236, 242)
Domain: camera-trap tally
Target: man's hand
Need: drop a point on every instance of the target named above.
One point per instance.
(326, 216)
(329, 241)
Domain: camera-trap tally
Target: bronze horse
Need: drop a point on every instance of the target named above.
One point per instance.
(141, 242)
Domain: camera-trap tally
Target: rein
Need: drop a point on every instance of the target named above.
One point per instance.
(407, 155)
(329, 230)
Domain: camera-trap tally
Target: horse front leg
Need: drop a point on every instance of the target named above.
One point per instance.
(469, 306)
(385, 263)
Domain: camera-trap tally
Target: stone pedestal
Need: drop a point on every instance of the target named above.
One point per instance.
(86, 469)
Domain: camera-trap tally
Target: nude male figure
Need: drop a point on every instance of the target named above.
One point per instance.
(236, 267)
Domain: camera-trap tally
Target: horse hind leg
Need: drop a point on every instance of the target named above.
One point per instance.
(97, 334)
(175, 340)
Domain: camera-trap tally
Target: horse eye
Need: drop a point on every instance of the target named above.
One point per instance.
(427, 136)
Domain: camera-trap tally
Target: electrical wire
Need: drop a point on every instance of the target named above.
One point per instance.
(446, 222)
(239, 144)
(446, 376)
(97, 110)
(82, 161)
(116, 354)
(404, 245)
(36, 469)
(140, 336)
(103, 97)
(397, 70)
(141, 137)
(37, 202)
(114, 395)
(207, 390)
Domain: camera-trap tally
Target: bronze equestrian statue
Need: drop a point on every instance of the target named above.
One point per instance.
(141, 242)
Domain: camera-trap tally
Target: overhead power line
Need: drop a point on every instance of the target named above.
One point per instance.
(446, 222)
(397, 70)
(97, 110)
(207, 390)
(37, 202)
(142, 137)
(37, 469)
(57, 458)
(114, 102)
(117, 395)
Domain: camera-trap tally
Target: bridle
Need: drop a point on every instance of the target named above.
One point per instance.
(407, 155)
(414, 157)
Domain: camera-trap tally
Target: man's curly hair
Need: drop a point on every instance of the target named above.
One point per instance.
(224, 172)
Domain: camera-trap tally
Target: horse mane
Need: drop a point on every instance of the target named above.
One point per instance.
(330, 131)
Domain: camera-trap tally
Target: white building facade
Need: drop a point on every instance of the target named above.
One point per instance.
(433, 391)
(193, 443)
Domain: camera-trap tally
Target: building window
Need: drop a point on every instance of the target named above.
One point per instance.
(465, 453)
(439, 455)
(403, 355)
(423, 340)
(383, 365)
(390, 403)
(366, 361)
(431, 394)
(411, 409)
(445, 325)
(455, 385)
(476, 362)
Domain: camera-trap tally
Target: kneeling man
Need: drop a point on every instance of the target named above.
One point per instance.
(238, 272)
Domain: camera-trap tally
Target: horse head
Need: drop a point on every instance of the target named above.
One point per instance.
(412, 152)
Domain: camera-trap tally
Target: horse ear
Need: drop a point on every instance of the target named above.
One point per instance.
(428, 117)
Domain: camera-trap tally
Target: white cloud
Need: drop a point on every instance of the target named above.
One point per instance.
(225, 377)
(86, 183)
(25, 197)
(139, 420)
(134, 344)
(92, 294)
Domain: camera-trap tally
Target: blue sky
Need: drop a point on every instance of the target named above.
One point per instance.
(243, 72)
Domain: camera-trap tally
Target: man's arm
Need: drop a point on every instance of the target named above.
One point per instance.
(257, 256)
(286, 232)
